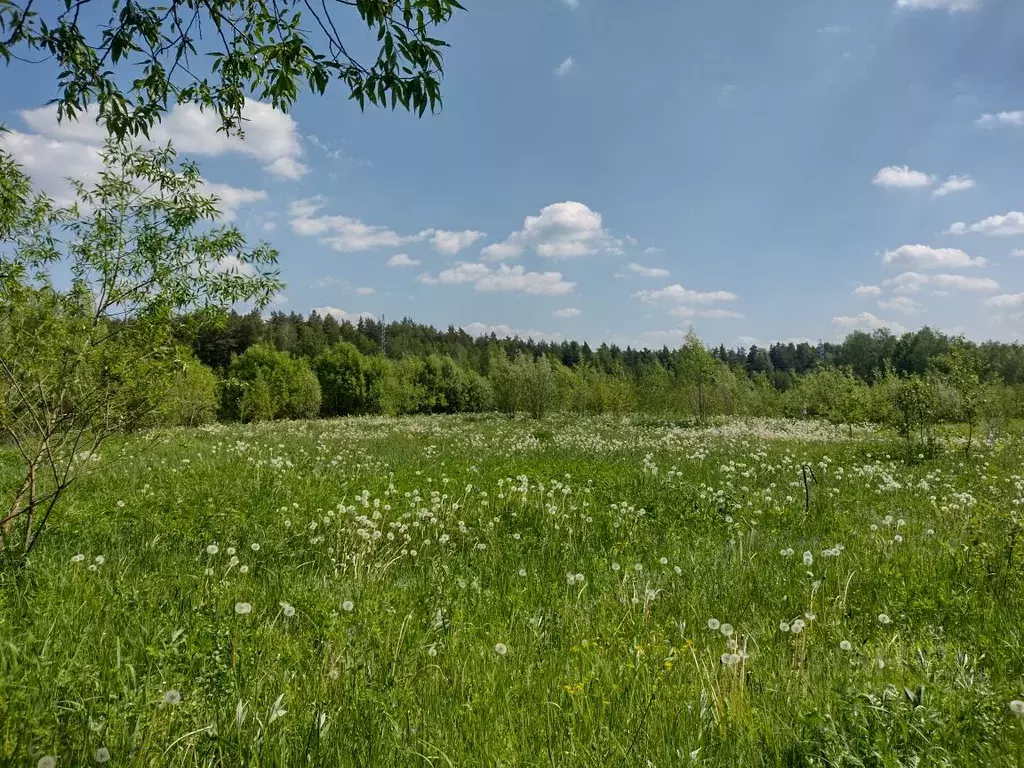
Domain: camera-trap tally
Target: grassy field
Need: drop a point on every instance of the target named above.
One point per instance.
(480, 592)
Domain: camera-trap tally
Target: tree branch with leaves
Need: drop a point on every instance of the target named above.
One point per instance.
(216, 52)
(89, 296)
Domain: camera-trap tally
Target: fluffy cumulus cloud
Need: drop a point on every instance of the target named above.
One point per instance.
(926, 257)
(903, 304)
(677, 294)
(565, 67)
(640, 269)
(270, 136)
(451, 242)
(913, 282)
(504, 278)
(565, 314)
(342, 233)
(954, 184)
(51, 162)
(865, 321)
(1006, 301)
(341, 315)
(349, 235)
(867, 290)
(403, 260)
(992, 119)
(560, 231)
(939, 5)
(902, 177)
(1011, 223)
(507, 331)
(716, 313)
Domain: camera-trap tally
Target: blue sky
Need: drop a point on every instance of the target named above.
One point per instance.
(617, 171)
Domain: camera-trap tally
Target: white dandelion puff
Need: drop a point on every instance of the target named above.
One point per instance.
(348, 606)
(501, 649)
(288, 609)
(172, 697)
(243, 608)
(212, 549)
(845, 645)
(47, 761)
(1017, 707)
(102, 755)
(883, 618)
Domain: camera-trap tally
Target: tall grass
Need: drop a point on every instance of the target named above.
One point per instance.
(467, 592)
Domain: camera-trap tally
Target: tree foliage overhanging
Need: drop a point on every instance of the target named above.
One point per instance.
(136, 59)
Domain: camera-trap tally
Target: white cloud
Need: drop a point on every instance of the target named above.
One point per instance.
(866, 321)
(714, 312)
(403, 260)
(679, 295)
(565, 67)
(342, 233)
(901, 304)
(51, 162)
(939, 5)
(560, 231)
(901, 177)
(341, 315)
(516, 279)
(288, 168)
(1011, 223)
(229, 199)
(365, 291)
(504, 279)
(926, 257)
(833, 29)
(990, 120)
(1017, 252)
(954, 184)
(913, 282)
(507, 331)
(233, 266)
(643, 271)
(269, 226)
(271, 136)
(1006, 300)
(574, 4)
(565, 314)
(449, 242)
(867, 290)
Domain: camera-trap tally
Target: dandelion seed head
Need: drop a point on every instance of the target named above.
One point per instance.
(102, 755)
(726, 630)
(172, 697)
(845, 645)
(288, 609)
(714, 624)
(243, 608)
(47, 761)
(501, 649)
(883, 618)
(212, 549)
(348, 606)
(1017, 707)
